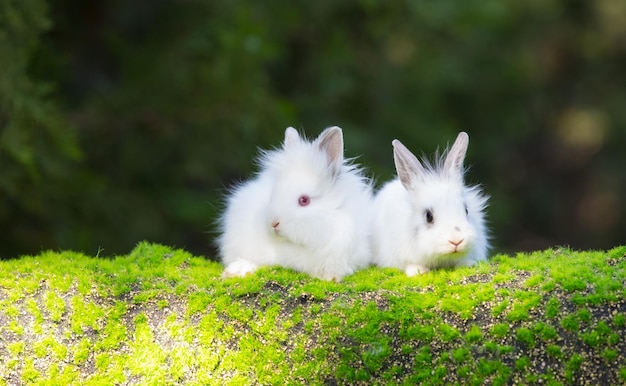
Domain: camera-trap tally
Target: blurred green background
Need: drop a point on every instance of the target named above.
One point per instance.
(126, 120)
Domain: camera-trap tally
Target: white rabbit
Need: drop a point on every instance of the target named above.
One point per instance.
(307, 209)
(427, 218)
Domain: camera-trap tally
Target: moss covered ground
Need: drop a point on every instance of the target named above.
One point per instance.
(163, 316)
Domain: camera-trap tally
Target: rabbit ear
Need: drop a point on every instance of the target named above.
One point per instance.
(454, 160)
(291, 137)
(407, 165)
(330, 141)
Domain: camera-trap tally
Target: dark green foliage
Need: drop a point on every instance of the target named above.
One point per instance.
(167, 102)
(37, 145)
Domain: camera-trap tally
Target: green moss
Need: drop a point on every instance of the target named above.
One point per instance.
(16, 348)
(462, 299)
(570, 322)
(619, 320)
(461, 354)
(146, 358)
(500, 308)
(525, 336)
(32, 308)
(11, 311)
(464, 371)
(545, 331)
(55, 305)
(603, 328)
(573, 366)
(198, 302)
(375, 354)
(502, 277)
(181, 361)
(500, 330)
(110, 370)
(598, 336)
(16, 328)
(534, 280)
(622, 373)
(610, 354)
(525, 301)
(613, 339)
(584, 315)
(448, 333)
(81, 351)
(162, 316)
(114, 333)
(474, 335)
(419, 332)
(49, 346)
(61, 376)
(85, 315)
(29, 373)
(522, 363)
(553, 307)
(548, 286)
(487, 368)
(554, 351)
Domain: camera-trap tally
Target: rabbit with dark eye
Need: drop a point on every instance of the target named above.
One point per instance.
(428, 218)
(307, 209)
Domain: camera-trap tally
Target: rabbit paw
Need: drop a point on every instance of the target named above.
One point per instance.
(414, 269)
(239, 268)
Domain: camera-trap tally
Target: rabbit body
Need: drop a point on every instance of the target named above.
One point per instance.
(307, 209)
(427, 218)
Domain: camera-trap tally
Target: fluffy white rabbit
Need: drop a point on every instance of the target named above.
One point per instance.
(307, 209)
(427, 218)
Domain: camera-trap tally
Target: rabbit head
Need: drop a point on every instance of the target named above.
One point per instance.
(307, 188)
(447, 216)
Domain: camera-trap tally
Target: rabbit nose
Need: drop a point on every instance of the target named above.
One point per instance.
(456, 243)
(275, 224)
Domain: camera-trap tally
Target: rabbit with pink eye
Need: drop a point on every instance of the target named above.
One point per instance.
(307, 209)
(428, 218)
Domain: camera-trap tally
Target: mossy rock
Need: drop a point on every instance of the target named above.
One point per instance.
(163, 316)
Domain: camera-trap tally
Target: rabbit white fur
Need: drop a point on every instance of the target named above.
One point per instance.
(307, 209)
(427, 218)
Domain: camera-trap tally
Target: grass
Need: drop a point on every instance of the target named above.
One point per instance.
(163, 316)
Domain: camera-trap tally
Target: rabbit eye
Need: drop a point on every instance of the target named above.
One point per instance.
(429, 216)
(304, 200)
(466, 211)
